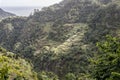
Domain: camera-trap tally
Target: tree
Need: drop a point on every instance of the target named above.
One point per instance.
(47, 76)
(106, 66)
(70, 76)
(15, 68)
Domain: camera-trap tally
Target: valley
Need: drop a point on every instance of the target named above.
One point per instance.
(71, 40)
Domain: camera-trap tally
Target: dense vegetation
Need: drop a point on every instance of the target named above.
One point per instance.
(60, 40)
(13, 67)
(106, 65)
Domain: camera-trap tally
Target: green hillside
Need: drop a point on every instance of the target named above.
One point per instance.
(60, 40)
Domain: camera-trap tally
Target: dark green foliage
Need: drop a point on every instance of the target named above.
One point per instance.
(73, 62)
(106, 65)
(47, 76)
(28, 52)
(105, 21)
(61, 38)
(70, 76)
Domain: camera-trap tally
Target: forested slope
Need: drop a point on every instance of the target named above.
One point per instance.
(62, 38)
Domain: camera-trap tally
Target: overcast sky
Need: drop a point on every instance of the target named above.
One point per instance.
(8, 3)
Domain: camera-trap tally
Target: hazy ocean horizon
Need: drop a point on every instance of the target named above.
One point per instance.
(20, 11)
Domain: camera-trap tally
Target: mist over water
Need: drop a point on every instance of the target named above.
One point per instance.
(20, 11)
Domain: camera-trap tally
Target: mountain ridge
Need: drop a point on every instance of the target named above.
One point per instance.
(61, 38)
(4, 14)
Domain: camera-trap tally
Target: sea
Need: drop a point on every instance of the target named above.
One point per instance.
(21, 11)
